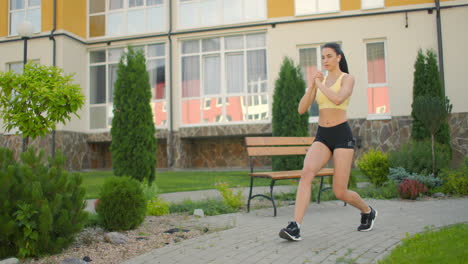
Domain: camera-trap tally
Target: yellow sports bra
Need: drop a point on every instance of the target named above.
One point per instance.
(324, 102)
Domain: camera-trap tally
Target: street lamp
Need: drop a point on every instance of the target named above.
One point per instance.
(25, 30)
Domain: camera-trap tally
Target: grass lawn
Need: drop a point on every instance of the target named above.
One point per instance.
(181, 181)
(447, 245)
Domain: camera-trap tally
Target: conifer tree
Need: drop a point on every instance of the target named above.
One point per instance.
(133, 144)
(287, 122)
(427, 83)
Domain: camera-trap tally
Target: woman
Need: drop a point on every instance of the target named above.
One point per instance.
(333, 138)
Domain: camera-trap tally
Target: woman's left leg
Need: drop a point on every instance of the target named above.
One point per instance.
(342, 162)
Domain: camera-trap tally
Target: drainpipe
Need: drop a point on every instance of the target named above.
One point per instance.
(54, 62)
(170, 141)
(440, 47)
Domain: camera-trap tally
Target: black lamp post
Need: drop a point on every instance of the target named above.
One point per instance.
(25, 30)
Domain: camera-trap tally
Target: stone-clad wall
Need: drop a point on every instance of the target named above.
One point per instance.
(72, 145)
(223, 146)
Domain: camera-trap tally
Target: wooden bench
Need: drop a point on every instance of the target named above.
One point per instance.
(279, 146)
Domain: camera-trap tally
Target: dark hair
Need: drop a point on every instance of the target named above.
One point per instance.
(336, 47)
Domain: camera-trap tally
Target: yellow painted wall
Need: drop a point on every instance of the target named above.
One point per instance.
(280, 8)
(348, 5)
(71, 16)
(284, 8)
(47, 11)
(3, 18)
(409, 2)
(74, 16)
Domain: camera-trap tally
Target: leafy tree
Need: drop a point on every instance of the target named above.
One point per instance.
(427, 83)
(432, 113)
(133, 144)
(287, 122)
(35, 101)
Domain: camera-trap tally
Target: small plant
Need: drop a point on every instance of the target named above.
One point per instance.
(150, 190)
(209, 206)
(374, 165)
(399, 174)
(122, 204)
(456, 182)
(157, 206)
(410, 189)
(231, 199)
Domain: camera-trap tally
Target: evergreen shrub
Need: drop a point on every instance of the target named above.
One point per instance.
(41, 204)
(400, 174)
(133, 143)
(375, 166)
(416, 157)
(286, 121)
(426, 82)
(122, 204)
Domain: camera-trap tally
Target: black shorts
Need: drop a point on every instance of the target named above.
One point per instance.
(339, 136)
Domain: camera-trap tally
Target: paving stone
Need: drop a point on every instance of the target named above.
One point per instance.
(329, 233)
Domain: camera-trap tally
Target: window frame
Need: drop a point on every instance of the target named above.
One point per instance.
(224, 95)
(125, 10)
(370, 6)
(318, 12)
(107, 63)
(384, 116)
(25, 9)
(318, 47)
(222, 22)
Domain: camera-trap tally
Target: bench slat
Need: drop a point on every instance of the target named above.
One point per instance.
(277, 175)
(272, 141)
(276, 151)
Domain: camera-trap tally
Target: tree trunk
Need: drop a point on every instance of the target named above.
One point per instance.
(25, 143)
(433, 155)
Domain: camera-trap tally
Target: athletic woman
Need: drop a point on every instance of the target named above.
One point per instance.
(334, 138)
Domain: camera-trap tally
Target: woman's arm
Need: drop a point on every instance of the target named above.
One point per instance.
(307, 99)
(340, 96)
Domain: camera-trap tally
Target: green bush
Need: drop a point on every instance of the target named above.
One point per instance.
(209, 206)
(374, 165)
(286, 121)
(122, 204)
(416, 157)
(231, 199)
(399, 174)
(157, 206)
(456, 182)
(41, 205)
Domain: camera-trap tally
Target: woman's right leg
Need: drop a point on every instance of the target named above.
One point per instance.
(317, 156)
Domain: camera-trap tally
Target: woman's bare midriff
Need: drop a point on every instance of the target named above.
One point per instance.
(330, 117)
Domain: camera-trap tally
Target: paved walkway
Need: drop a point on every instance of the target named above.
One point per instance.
(329, 234)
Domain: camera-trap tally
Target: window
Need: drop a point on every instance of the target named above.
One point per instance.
(25, 10)
(126, 17)
(307, 7)
(377, 91)
(224, 79)
(103, 74)
(16, 67)
(369, 4)
(204, 13)
(310, 63)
